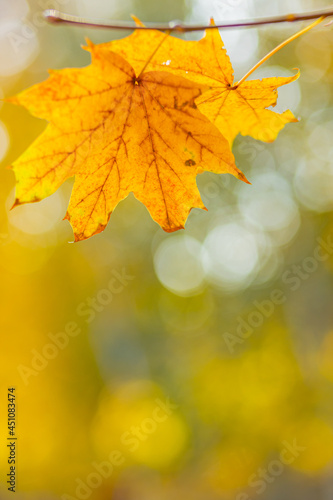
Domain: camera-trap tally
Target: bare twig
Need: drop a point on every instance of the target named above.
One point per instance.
(54, 16)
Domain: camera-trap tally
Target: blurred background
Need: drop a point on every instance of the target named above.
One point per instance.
(197, 364)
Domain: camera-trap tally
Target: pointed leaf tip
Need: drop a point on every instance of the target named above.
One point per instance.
(12, 100)
(242, 177)
(16, 204)
(90, 45)
(137, 21)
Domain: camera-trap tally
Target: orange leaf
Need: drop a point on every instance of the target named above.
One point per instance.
(233, 110)
(118, 131)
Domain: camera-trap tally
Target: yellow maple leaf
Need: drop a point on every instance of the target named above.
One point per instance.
(233, 110)
(118, 131)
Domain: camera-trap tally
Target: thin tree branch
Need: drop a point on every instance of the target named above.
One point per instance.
(56, 17)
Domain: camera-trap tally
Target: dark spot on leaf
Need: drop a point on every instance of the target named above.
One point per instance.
(190, 163)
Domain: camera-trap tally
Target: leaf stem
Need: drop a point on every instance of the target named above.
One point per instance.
(154, 52)
(274, 51)
(56, 17)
